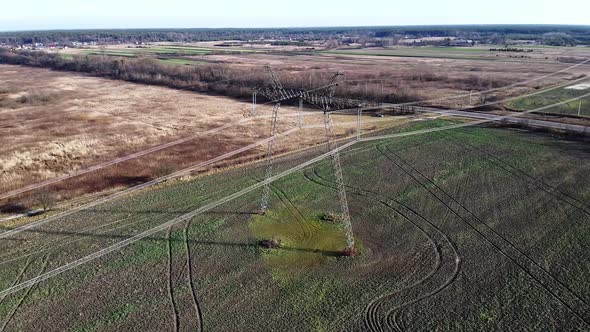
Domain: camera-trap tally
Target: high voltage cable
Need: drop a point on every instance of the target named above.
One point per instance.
(235, 195)
(155, 181)
(126, 158)
(141, 153)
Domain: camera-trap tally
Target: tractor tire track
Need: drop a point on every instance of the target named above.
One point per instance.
(176, 317)
(56, 241)
(176, 280)
(25, 295)
(453, 275)
(18, 276)
(54, 248)
(194, 297)
(552, 285)
(306, 229)
(372, 311)
(524, 176)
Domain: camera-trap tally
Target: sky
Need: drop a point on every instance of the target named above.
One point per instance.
(92, 14)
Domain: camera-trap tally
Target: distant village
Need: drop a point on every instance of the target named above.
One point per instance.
(42, 46)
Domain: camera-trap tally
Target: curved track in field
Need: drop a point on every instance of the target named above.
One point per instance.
(306, 228)
(83, 233)
(54, 244)
(561, 292)
(175, 314)
(448, 260)
(194, 297)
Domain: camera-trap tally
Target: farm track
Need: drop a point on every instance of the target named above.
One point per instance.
(526, 177)
(552, 285)
(175, 315)
(194, 297)
(306, 229)
(54, 248)
(184, 272)
(81, 233)
(375, 320)
(25, 295)
(396, 315)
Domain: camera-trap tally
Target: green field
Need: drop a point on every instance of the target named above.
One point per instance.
(186, 62)
(462, 230)
(552, 97)
(467, 53)
(429, 52)
(164, 50)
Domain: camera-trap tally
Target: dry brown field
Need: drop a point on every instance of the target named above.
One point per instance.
(55, 123)
(417, 77)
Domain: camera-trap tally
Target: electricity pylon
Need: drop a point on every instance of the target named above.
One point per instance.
(327, 103)
(269, 159)
(340, 186)
(276, 93)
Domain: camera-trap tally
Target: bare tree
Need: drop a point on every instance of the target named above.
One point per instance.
(46, 199)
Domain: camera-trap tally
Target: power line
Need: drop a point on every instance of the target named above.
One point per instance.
(224, 200)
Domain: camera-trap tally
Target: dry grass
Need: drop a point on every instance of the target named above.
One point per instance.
(87, 120)
(410, 78)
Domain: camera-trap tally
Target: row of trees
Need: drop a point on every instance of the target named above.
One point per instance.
(497, 34)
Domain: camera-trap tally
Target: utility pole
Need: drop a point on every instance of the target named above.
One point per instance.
(579, 107)
(340, 187)
(300, 114)
(358, 124)
(254, 102)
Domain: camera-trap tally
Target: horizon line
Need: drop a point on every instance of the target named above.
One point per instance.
(306, 27)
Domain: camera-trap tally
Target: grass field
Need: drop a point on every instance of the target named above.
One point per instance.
(470, 229)
(158, 50)
(168, 54)
(451, 53)
(464, 53)
(186, 62)
(555, 96)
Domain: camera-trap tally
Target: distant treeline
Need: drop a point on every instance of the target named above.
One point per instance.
(498, 34)
(213, 78)
(509, 49)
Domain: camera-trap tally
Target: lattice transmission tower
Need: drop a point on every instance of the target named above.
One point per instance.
(327, 102)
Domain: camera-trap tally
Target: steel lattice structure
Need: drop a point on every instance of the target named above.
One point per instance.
(327, 103)
(269, 159)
